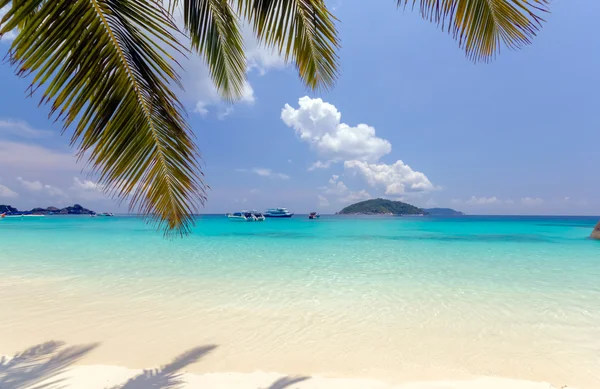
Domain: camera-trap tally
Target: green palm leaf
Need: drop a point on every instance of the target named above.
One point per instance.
(215, 34)
(481, 25)
(106, 71)
(301, 29)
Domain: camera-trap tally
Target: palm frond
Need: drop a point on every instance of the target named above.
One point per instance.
(301, 29)
(481, 26)
(214, 30)
(106, 68)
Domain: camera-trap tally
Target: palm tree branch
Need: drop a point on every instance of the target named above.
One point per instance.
(301, 29)
(481, 26)
(106, 64)
(214, 30)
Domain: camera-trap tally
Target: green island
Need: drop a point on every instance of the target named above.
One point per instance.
(390, 207)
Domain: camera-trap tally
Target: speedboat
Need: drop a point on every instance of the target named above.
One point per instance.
(246, 216)
(278, 212)
(314, 215)
(106, 214)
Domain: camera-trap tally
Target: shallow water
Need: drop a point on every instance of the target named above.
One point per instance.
(393, 298)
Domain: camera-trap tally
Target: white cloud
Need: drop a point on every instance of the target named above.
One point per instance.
(397, 179)
(31, 185)
(532, 201)
(53, 191)
(337, 188)
(264, 172)
(5, 191)
(25, 156)
(226, 112)
(37, 186)
(85, 184)
(22, 129)
(353, 197)
(87, 190)
(319, 165)
(323, 201)
(483, 200)
(319, 123)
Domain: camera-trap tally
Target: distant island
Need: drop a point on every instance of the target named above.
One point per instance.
(442, 212)
(390, 207)
(381, 207)
(76, 209)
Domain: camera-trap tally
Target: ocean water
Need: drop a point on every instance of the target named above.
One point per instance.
(391, 298)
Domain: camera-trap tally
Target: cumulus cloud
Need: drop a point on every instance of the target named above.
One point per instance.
(338, 189)
(37, 186)
(323, 201)
(397, 179)
(319, 124)
(31, 185)
(87, 190)
(354, 197)
(320, 165)
(483, 200)
(6, 192)
(532, 201)
(85, 184)
(264, 172)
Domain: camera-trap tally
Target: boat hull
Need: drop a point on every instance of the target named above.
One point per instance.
(280, 216)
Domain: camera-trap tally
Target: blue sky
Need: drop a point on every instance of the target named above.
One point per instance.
(410, 118)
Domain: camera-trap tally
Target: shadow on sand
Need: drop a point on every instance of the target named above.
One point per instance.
(40, 367)
(286, 382)
(168, 376)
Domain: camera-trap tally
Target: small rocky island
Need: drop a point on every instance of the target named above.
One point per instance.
(76, 209)
(596, 232)
(442, 212)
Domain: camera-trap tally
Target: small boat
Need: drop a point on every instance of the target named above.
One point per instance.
(278, 212)
(246, 216)
(314, 215)
(106, 214)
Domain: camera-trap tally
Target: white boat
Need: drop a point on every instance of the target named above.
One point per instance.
(246, 216)
(278, 212)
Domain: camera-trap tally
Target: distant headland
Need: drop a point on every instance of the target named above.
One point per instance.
(76, 209)
(390, 207)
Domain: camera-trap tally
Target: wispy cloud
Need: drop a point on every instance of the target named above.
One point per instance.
(532, 201)
(264, 172)
(21, 129)
(33, 157)
(6, 192)
(474, 200)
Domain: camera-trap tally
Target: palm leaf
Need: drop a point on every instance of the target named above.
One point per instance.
(301, 29)
(106, 68)
(215, 34)
(480, 26)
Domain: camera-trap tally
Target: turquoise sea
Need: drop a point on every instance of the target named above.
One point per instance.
(384, 297)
